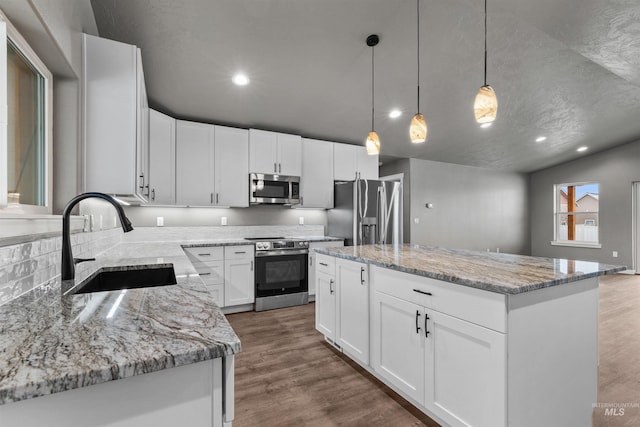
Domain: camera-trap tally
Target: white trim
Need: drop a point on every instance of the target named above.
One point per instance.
(19, 41)
(630, 272)
(576, 244)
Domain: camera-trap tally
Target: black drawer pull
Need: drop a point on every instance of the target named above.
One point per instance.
(204, 274)
(240, 252)
(324, 265)
(204, 254)
(422, 292)
(417, 321)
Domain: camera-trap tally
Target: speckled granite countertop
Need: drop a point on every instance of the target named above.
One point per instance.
(50, 344)
(501, 273)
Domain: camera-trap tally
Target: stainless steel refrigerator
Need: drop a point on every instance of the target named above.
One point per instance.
(367, 212)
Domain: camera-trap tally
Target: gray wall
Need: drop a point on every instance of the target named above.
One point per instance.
(474, 208)
(402, 167)
(143, 216)
(615, 170)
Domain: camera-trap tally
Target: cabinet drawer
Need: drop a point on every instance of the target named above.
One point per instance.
(326, 264)
(238, 252)
(206, 253)
(212, 273)
(484, 308)
(217, 291)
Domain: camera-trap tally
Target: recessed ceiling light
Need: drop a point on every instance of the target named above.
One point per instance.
(486, 125)
(581, 149)
(241, 79)
(541, 138)
(394, 114)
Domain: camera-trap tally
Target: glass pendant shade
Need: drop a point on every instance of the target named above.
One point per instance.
(373, 143)
(418, 129)
(486, 105)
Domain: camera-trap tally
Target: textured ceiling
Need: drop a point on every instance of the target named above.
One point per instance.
(565, 69)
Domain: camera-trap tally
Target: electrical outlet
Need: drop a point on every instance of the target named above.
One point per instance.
(416, 220)
(497, 250)
(92, 222)
(100, 222)
(115, 222)
(301, 220)
(615, 254)
(223, 220)
(160, 221)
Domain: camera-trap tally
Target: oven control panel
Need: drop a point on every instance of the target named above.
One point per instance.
(282, 245)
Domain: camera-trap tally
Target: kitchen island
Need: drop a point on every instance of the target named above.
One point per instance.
(79, 344)
(468, 337)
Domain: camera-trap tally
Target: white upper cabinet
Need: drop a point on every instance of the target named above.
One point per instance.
(316, 181)
(194, 163)
(274, 153)
(231, 166)
(211, 165)
(162, 159)
(115, 118)
(352, 162)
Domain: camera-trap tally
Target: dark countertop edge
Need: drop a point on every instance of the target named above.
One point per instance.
(486, 286)
(89, 378)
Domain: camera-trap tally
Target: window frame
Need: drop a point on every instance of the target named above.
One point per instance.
(557, 212)
(9, 32)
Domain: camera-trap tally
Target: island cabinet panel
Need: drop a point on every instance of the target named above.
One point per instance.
(453, 368)
(325, 305)
(352, 309)
(465, 371)
(312, 263)
(397, 343)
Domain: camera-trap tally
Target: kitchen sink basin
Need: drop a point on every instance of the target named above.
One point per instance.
(113, 280)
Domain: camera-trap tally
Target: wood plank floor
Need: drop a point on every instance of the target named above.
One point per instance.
(286, 375)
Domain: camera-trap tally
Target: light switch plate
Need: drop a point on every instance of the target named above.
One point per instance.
(223, 220)
(301, 220)
(160, 221)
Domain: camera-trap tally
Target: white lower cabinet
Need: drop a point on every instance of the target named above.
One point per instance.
(312, 263)
(239, 279)
(454, 368)
(342, 305)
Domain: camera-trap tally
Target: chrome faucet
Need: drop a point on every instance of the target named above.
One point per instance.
(68, 269)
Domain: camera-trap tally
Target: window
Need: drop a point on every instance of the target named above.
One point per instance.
(577, 214)
(25, 141)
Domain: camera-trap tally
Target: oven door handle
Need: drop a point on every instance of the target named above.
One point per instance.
(282, 252)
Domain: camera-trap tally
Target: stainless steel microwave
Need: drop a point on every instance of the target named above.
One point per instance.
(274, 189)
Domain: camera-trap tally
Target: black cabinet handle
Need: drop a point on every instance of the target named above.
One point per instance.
(417, 322)
(204, 274)
(331, 286)
(240, 252)
(324, 265)
(204, 254)
(422, 292)
(362, 275)
(426, 331)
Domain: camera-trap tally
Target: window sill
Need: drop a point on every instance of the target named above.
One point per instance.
(576, 244)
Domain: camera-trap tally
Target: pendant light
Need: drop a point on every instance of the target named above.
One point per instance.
(373, 140)
(486, 105)
(418, 127)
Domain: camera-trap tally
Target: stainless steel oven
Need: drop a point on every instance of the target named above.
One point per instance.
(274, 189)
(281, 273)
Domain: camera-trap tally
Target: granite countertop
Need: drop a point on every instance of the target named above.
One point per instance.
(50, 343)
(495, 272)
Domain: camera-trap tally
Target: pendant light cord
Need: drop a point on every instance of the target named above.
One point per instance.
(485, 42)
(418, 44)
(373, 99)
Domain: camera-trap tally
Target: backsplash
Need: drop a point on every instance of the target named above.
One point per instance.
(145, 234)
(26, 266)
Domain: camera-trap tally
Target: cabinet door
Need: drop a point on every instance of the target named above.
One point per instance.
(325, 305)
(398, 344)
(465, 372)
(231, 167)
(367, 165)
(352, 309)
(142, 164)
(344, 162)
(194, 163)
(111, 110)
(238, 281)
(162, 154)
(289, 154)
(316, 182)
(263, 152)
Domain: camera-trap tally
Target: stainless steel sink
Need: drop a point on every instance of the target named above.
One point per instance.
(116, 279)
